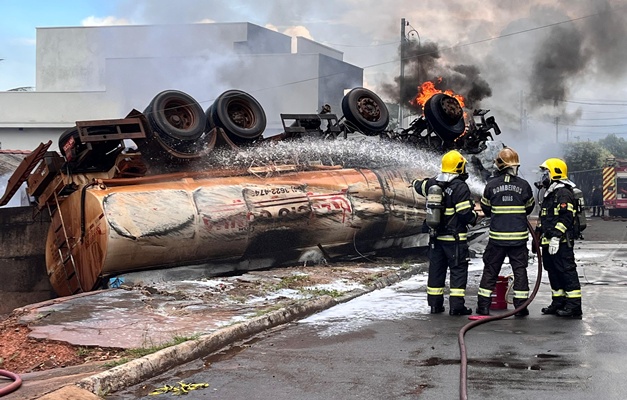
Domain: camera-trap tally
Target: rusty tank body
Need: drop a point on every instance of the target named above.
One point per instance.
(159, 204)
(191, 219)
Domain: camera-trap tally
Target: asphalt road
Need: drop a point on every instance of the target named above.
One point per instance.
(415, 355)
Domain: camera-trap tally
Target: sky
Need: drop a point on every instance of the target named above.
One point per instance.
(547, 70)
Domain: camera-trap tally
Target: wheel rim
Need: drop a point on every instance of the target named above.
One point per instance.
(179, 115)
(368, 109)
(241, 115)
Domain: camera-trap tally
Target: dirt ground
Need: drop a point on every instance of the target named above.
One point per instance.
(21, 354)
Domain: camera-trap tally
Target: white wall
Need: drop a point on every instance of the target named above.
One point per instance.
(86, 73)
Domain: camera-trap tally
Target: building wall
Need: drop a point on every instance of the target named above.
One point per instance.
(88, 73)
(307, 46)
(74, 59)
(23, 277)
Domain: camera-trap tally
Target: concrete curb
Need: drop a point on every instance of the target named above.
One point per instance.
(141, 369)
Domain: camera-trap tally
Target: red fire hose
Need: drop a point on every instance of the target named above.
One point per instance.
(17, 382)
(463, 390)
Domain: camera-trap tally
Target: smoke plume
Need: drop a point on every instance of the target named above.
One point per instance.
(422, 63)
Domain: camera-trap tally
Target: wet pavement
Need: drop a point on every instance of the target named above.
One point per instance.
(332, 354)
(149, 315)
(385, 345)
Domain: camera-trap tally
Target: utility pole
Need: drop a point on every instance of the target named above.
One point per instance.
(402, 76)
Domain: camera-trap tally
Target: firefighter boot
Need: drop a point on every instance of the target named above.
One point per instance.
(457, 306)
(572, 309)
(436, 302)
(556, 304)
(524, 311)
(483, 305)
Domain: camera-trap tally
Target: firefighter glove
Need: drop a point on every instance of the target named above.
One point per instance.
(554, 245)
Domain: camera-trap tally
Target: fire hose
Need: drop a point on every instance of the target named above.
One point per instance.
(463, 389)
(17, 382)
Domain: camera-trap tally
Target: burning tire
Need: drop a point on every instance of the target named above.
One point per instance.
(365, 111)
(239, 114)
(178, 121)
(445, 115)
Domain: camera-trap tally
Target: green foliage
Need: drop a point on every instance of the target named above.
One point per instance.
(584, 156)
(324, 292)
(615, 145)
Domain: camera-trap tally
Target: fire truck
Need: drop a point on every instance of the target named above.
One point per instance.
(615, 187)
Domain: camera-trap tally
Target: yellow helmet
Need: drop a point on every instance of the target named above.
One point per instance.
(506, 158)
(453, 162)
(557, 168)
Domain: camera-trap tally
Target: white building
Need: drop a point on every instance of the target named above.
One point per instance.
(86, 73)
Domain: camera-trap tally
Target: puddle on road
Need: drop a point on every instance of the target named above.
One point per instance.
(542, 362)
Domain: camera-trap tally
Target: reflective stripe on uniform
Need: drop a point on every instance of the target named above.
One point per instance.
(449, 211)
(423, 187)
(558, 293)
(451, 238)
(435, 291)
(462, 205)
(560, 227)
(530, 202)
(484, 292)
(508, 209)
(458, 292)
(509, 235)
(485, 201)
(547, 240)
(521, 294)
(569, 207)
(574, 294)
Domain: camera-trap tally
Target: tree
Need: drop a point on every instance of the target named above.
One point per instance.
(615, 145)
(584, 156)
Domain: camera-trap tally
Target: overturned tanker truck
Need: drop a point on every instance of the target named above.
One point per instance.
(137, 193)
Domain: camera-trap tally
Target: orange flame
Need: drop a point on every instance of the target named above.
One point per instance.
(427, 89)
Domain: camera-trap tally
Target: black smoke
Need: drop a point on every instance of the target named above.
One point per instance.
(593, 45)
(422, 63)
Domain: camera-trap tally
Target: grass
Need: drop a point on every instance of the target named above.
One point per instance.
(131, 354)
(288, 282)
(82, 351)
(324, 292)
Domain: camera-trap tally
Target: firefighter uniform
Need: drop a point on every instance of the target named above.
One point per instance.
(448, 246)
(556, 224)
(507, 200)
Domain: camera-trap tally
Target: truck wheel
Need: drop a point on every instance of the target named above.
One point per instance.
(239, 114)
(176, 114)
(69, 142)
(445, 115)
(366, 111)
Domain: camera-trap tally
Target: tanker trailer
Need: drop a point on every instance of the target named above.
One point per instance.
(112, 226)
(116, 210)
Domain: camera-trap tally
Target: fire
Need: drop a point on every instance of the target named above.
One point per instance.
(428, 89)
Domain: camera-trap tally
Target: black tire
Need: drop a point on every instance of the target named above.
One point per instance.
(365, 111)
(177, 115)
(445, 115)
(70, 152)
(239, 114)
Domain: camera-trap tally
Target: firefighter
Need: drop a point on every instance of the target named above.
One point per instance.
(597, 202)
(507, 199)
(448, 248)
(556, 224)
